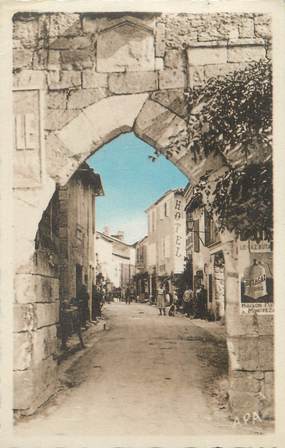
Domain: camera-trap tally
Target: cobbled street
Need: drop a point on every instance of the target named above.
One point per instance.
(144, 375)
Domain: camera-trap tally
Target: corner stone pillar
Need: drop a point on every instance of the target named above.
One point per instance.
(250, 347)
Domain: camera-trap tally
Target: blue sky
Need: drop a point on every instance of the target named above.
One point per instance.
(132, 182)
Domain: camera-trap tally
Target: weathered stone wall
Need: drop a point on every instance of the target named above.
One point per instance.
(36, 316)
(101, 75)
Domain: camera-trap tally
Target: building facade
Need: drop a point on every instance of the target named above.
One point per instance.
(142, 275)
(77, 231)
(115, 260)
(166, 238)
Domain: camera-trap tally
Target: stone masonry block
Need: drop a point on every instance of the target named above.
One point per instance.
(263, 30)
(206, 56)
(245, 53)
(22, 59)
(24, 317)
(196, 75)
(31, 288)
(242, 402)
(54, 60)
(56, 118)
(172, 79)
(23, 389)
(245, 381)
(64, 79)
(57, 100)
(132, 82)
(40, 59)
(23, 348)
(174, 59)
(246, 28)
(173, 99)
(26, 32)
(153, 124)
(70, 43)
(35, 386)
(44, 343)
(216, 70)
(47, 314)
(63, 24)
(160, 40)
(28, 78)
(159, 64)
(76, 59)
(89, 24)
(243, 353)
(79, 99)
(266, 352)
(93, 80)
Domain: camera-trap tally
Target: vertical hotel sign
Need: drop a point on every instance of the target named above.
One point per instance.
(28, 138)
(179, 236)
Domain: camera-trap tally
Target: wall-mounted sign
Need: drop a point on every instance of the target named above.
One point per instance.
(257, 286)
(28, 138)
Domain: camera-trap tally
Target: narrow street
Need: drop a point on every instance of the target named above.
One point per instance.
(146, 374)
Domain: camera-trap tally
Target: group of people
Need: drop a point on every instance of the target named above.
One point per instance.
(194, 305)
(76, 315)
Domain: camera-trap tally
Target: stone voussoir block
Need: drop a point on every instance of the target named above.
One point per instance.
(81, 98)
(23, 389)
(57, 118)
(132, 82)
(172, 79)
(67, 79)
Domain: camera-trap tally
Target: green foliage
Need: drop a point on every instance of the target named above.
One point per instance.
(232, 111)
(235, 113)
(242, 201)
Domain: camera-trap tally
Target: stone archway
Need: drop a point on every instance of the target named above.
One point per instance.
(87, 106)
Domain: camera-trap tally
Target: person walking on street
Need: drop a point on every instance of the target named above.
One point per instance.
(161, 300)
(97, 300)
(201, 299)
(188, 301)
(83, 300)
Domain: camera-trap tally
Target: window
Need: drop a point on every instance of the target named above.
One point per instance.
(211, 232)
(166, 208)
(196, 235)
(153, 220)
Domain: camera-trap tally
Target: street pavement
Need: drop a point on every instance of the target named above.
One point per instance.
(144, 375)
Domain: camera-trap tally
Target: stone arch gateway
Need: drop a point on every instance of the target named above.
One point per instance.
(81, 80)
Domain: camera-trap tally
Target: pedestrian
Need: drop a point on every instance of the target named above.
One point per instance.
(188, 301)
(161, 300)
(97, 300)
(83, 299)
(174, 304)
(201, 300)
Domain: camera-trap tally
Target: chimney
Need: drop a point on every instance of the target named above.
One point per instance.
(106, 230)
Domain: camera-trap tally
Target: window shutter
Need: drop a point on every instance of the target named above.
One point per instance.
(196, 236)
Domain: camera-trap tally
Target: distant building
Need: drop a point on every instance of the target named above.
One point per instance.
(142, 276)
(66, 232)
(166, 238)
(115, 260)
(204, 248)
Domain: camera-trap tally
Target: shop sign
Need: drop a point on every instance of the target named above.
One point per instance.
(262, 246)
(257, 288)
